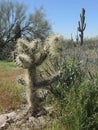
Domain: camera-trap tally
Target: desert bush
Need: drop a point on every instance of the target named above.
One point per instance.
(71, 73)
(78, 107)
(82, 106)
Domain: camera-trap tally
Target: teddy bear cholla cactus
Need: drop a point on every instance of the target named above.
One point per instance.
(54, 44)
(32, 55)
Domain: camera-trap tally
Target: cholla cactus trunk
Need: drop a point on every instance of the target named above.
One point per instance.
(30, 87)
(30, 56)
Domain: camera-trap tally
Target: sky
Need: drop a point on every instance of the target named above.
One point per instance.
(65, 14)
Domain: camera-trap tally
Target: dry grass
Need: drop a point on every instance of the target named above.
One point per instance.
(9, 88)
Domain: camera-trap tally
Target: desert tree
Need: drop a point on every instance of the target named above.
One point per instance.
(11, 13)
(16, 23)
(17, 31)
(39, 25)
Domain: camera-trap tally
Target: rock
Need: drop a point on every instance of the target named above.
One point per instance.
(6, 119)
(20, 120)
(31, 119)
(4, 126)
(38, 123)
(51, 112)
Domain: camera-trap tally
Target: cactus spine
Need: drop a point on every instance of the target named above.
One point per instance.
(82, 25)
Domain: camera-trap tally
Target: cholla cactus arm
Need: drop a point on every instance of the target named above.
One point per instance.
(35, 46)
(41, 58)
(23, 60)
(49, 81)
(54, 44)
(22, 46)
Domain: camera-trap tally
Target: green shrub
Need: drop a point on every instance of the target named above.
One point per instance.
(76, 99)
(82, 106)
(71, 73)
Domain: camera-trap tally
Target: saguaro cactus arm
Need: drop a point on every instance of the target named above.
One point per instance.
(81, 28)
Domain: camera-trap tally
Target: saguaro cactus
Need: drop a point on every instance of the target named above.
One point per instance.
(77, 38)
(82, 25)
(30, 56)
